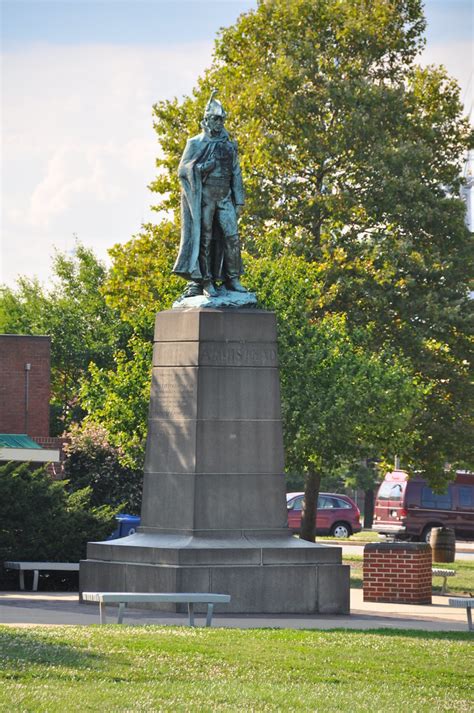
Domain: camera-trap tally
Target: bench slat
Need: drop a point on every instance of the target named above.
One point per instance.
(69, 566)
(37, 567)
(462, 602)
(176, 597)
(124, 598)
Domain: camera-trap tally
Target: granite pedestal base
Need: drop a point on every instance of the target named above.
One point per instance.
(275, 575)
(214, 513)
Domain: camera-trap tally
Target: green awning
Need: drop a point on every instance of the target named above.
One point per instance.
(17, 440)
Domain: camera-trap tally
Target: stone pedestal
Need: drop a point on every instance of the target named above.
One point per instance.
(214, 508)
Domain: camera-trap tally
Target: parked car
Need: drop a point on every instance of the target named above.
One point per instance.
(408, 509)
(336, 515)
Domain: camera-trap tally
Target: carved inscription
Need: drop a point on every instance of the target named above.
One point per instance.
(238, 354)
(171, 396)
(175, 354)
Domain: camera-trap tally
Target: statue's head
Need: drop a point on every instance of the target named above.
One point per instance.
(214, 115)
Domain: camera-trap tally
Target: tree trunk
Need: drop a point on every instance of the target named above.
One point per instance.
(308, 518)
(369, 507)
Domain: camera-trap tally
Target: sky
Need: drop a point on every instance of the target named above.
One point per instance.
(78, 81)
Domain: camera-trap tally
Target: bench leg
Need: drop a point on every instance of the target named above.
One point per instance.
(469, 618)
(22, 580)
(35, 580)
(102, 615)
(121, 612)
(191, 613)
(444, 588)
(210, 609)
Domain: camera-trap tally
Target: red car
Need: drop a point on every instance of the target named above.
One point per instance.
(337, 515)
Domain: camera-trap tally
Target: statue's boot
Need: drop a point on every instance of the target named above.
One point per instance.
(234, 285)
(193, 289)
(208, 289)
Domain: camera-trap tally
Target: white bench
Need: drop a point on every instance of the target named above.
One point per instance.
(466, 603)
(38, 567)
(445, 573)
(124, 598)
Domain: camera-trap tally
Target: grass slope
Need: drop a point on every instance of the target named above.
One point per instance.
(147, 668)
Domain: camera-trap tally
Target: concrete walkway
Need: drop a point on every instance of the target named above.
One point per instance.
(50, 608)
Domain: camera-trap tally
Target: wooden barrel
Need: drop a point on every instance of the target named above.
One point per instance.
(443, 544)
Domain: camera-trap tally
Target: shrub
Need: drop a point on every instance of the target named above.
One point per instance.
(40, 520)
(93, 462)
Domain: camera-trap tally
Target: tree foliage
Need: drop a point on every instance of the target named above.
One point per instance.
(117, 398)
(93, 462)
(335, 123)
(140, 282)
(74, 313)
(139, 285)
(341, 399)
(351, 156)
(40, 521)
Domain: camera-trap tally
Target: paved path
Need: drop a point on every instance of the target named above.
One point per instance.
(49, 608)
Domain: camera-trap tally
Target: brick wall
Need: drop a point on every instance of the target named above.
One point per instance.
(55, 469)
(397, 572)
(15, 352)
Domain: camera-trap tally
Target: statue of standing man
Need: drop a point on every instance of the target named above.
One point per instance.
(212, 195)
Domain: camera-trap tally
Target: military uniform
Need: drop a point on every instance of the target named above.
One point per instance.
(218, 211)
(212, 187)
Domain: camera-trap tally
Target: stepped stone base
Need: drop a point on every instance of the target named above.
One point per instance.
(263, 575)
(214, 515)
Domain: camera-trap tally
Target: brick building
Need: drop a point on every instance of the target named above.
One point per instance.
(25, 390)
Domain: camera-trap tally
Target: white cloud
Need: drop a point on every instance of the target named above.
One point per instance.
(78, 147)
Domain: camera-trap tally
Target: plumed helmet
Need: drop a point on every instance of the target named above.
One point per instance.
(214, 107)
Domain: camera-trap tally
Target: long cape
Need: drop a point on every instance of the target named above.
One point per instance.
(198, 150)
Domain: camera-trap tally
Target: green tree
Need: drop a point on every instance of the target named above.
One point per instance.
(140, 282)
(39, 520)
(74, 313)
(139, 285)
(310, 87)
(117, 399)
(351, 158)
(93, 462)
(341, 400)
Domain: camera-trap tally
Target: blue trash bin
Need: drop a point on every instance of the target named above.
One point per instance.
(126, 525)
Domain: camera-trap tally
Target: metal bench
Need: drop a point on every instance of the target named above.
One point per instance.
(466, 603)
(124, 598)
(445, 573)
(37, 567)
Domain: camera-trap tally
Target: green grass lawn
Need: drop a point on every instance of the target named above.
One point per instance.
(361, 537)
(152, 668)
(462, 583)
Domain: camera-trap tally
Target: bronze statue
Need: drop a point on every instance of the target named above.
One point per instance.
(212, 195)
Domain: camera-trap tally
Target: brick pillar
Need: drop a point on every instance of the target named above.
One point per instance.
(397, 572)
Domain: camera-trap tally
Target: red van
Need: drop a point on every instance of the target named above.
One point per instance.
(408, 509)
